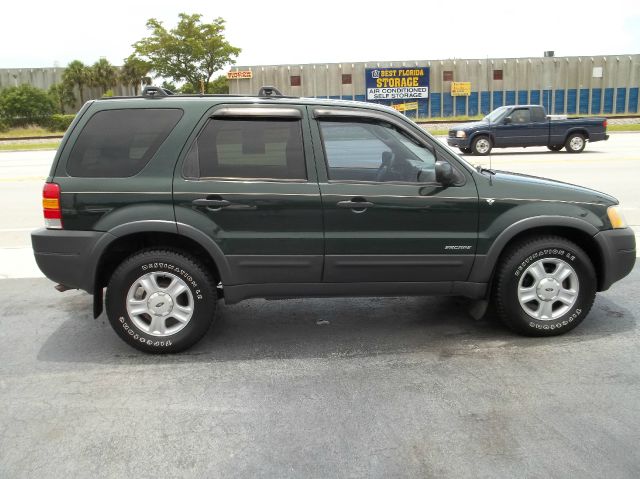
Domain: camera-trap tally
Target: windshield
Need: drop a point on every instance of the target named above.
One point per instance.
(495, 114)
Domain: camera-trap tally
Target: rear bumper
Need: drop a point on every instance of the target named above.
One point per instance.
(618, 248)
(66, 257)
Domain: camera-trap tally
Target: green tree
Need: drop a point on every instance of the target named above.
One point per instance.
(103, 75)
(171, 86)
(220, 85)
(191, 52)
(25, 104)
(77, 74)
(135, 72)
(62, 96)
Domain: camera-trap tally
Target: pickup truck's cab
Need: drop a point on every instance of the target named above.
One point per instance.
(526, 125)
(171, 202)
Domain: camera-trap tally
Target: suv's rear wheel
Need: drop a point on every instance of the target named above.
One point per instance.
(160, 301)
(545, 286)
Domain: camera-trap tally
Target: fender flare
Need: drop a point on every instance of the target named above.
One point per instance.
(483, 266)
(154, 226)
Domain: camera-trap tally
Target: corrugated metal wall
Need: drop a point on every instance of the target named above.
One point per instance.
(562, 84)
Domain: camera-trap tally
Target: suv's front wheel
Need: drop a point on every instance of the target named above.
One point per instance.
(160, 301)
(545, 286)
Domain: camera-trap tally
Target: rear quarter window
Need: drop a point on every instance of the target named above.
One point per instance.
(120, 143)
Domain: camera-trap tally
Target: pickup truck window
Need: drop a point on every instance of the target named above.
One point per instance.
(355, 150)
(521, 115)
(496, 114)
(538, 115)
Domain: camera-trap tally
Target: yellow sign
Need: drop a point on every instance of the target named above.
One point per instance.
(239, 74)
(413, 105)
(460, 88)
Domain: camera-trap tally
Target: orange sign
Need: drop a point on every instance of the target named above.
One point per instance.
(239, 74)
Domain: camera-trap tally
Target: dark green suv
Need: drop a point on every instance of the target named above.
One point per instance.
(173, 202)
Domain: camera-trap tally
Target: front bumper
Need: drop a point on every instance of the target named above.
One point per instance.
(618, 248)
(458, 142)
(66, 257)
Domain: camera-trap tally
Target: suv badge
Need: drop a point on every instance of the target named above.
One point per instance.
(490, 201)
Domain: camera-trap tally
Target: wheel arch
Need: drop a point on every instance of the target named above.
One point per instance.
(476, 134)
(128, 239)
(580, 130)
(575, 230)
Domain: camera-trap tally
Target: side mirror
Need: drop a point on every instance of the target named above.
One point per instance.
(506, 121)
(444, 173)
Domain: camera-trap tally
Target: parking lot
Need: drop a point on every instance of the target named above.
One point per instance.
(368, 387)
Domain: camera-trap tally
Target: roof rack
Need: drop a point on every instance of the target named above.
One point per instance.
(155, 92)
(269, 91)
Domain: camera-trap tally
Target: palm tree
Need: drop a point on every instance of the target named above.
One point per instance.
(134, 72)
(76, 73)
(62, 95)
(103, 75)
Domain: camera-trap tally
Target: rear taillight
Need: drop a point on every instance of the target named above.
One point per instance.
(604, 123)
(51, 206)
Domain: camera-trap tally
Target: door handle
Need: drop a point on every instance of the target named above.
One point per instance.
(211, 203)
(357, 206)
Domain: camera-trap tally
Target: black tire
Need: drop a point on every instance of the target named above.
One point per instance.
(555, 147)
(517, 269)
(482, 145)
(194, 290)
(466, 151)
(575, 143)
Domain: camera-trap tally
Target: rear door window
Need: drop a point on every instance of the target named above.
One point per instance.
(120, 143)
(248, 149)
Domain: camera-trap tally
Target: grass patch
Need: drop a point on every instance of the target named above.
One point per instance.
(630, 127)
(8, 146)
(438, 132)
(27, 131)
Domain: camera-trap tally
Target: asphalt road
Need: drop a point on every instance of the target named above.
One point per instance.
(370, 387)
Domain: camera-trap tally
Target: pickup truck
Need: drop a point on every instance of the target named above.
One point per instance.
(526, 125)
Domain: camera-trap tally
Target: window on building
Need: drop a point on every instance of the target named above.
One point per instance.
(497, 74)
(295, 80)
(120, 143)
(238, 148)
(447, 75)
(346, 78)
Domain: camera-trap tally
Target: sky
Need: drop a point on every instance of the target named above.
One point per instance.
(45, 33)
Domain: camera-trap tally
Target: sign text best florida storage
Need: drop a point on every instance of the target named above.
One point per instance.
(397, 83)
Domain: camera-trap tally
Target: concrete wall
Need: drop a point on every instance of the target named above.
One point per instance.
(45, 77)
(561, 84)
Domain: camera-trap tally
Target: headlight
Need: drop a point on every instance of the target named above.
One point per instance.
(616, 217)
(461, 134)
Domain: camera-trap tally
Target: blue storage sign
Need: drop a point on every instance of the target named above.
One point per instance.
(397, 83)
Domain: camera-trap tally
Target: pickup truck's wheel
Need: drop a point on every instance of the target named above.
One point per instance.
(555, 147)
(160, 301)
(544, 286)
(481, 145)
(465, 150)
(575, 143)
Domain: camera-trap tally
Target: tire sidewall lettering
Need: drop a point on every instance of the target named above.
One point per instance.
(570, 258)
(170, 268)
